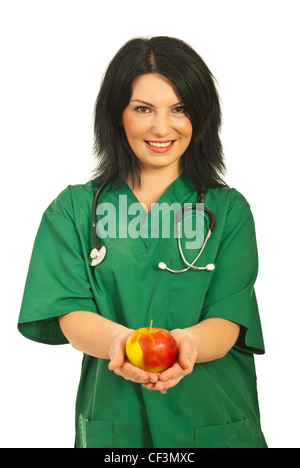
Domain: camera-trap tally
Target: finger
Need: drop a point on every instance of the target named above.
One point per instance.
(172, 373)
(129, 376)
(148, 385)
(153, 377)
(134, 373)
(160, 386)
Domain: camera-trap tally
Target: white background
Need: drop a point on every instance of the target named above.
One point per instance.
(53, 55)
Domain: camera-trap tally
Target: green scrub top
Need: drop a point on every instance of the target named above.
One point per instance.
(216, 406)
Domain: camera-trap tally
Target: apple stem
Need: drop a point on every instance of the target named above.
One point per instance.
(151, 323)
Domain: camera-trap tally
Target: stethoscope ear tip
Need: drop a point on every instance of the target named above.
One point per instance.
(210, 267)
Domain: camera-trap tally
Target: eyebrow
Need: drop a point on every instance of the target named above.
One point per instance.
(151, 105)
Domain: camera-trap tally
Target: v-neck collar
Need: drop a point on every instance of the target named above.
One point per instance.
(179, 191)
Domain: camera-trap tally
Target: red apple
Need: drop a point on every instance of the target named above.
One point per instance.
(151, 349)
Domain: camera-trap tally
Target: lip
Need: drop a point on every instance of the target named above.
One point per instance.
(160, 141)
(155, 149)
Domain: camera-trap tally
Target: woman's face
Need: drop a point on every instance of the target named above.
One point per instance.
(156, 125)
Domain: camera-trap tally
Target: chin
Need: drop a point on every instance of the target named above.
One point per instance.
(159, 162)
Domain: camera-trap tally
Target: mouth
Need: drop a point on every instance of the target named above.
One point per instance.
(160, 146)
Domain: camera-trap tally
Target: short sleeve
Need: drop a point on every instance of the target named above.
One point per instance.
(231, 294)
(57, 281)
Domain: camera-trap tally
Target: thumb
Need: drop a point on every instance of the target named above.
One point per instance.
(185, 354)
(117, 355)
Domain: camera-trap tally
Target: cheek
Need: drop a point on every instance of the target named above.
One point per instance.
(187, 129)
(133, 127)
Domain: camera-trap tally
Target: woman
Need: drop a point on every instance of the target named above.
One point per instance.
(157, 122)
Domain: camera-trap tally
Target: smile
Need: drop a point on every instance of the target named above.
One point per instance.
(160, 146)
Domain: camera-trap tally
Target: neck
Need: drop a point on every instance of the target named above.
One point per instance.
(153, 185)
(158, 177)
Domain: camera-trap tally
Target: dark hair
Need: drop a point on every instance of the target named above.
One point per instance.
(203, 161)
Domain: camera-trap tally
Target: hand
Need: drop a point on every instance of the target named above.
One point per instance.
(184, 365)
(120, 365)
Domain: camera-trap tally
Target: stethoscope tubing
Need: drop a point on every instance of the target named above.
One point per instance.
(98, 254)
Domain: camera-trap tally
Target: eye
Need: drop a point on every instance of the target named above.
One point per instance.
(179, 110)
(142, 109)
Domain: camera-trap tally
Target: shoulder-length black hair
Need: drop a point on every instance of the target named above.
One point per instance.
(203, 161)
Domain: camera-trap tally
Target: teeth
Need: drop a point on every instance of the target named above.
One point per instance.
(159, 145)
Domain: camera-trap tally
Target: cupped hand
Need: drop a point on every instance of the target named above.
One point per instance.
(120, 365)
(182, 367)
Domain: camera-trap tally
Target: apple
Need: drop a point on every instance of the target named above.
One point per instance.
(151, 349)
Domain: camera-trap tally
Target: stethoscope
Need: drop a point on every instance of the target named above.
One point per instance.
(98, 254)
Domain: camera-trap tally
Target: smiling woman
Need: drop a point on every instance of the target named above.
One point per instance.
(161, 128)
(157, 120)
(167, 93)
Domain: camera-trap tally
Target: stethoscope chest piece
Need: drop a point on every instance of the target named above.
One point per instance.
(97, 256)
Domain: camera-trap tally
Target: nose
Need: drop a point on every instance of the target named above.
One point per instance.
(161, 124)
